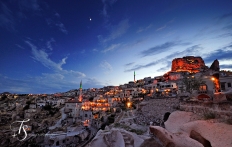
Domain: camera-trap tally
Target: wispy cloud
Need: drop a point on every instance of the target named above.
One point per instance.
(226, 66)
(141, 29)
(111, 47)
(214, 28)
(138, 67)
(83, 51)
(161, 28)
(137, 42)
(93, 82)
(224, 35)
(228, 27)
(170, 33)
(133, 44)
(165, 68)
(158, 49)
(129, 64)
(164, 26)
(95, 50)
(193, 50)
(49, 45)
(58, 24)
(53, 76)
(161, 48)
(43, 57)
(11, 13)
(74, 73)
(29, 5)
(61, 27)
(225, 16)
(224, 53)
(6, 18)
(57, 15)
(49, 21)
(19, 46)
(167, 60)
(106, 67)
(116, 31)
(106, 5)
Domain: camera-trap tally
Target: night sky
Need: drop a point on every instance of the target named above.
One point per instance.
(50, 46)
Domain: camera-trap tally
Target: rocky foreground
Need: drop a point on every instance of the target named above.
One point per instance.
(182, 129)
(185, 129)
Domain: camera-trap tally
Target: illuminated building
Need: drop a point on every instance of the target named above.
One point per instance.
(73, 106)
(99, 104)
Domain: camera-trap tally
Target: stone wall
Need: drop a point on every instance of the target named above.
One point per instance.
(221, 110)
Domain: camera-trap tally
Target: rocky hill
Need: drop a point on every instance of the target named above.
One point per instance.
(188, 63)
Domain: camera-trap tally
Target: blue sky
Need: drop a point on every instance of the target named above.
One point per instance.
(50, 46)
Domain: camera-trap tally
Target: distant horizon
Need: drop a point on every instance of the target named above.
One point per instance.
(111, 85)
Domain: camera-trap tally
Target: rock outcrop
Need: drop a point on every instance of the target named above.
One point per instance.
(215, 65)
(197, 136)
(169, 139)
(188, 63)
(151, 142)
(116, 138)
(207, 133)
(112, 138)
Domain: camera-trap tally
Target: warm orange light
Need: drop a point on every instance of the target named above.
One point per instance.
(128, 104)
(213, 79)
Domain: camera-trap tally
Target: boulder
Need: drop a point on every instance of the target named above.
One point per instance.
(197, 136)
(177, 119)
(164, 137)
(151, 142)
(205, 132)
(168, 139)
(111, 138)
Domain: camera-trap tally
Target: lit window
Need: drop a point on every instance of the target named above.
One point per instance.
(203, 88)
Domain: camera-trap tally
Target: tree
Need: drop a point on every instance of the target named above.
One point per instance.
(26, 107)
(111, 119)
(91, 98)
(28, 102)
(102, 119)
(47, 107)
(192, 83)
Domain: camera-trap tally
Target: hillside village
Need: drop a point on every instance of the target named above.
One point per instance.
(84, 117)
